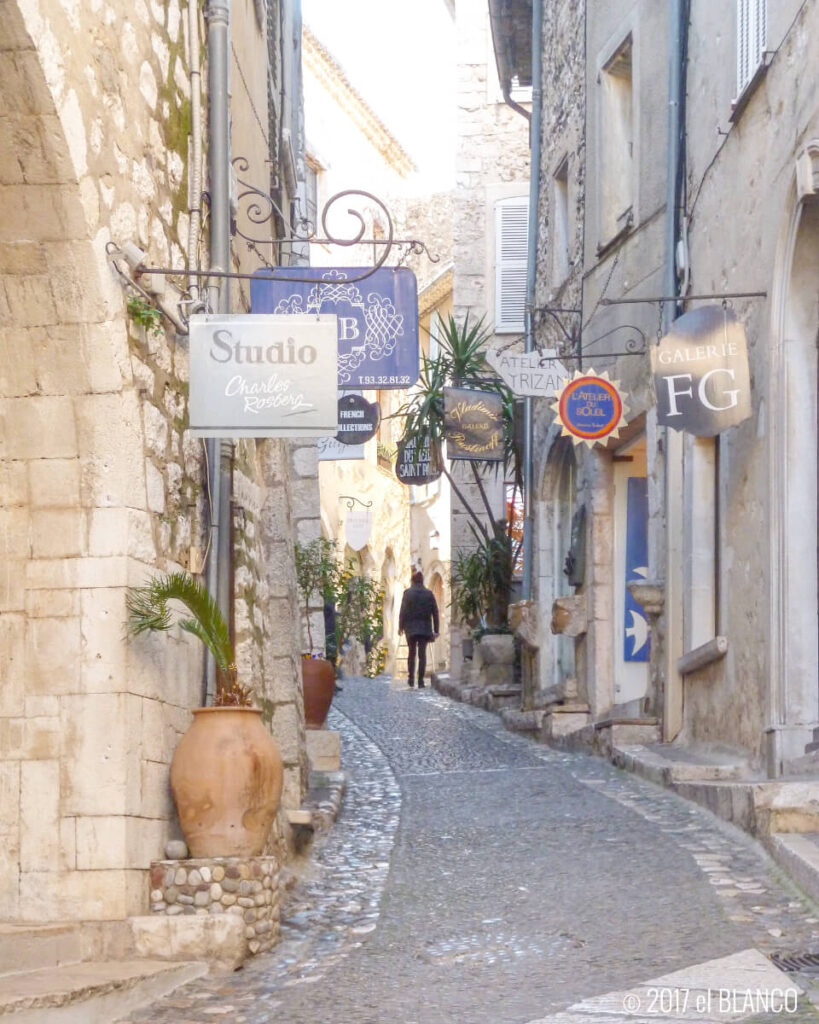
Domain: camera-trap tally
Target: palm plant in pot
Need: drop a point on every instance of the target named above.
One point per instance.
(226, 772)
(317, 578)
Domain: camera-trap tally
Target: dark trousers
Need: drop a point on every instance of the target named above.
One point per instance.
(417, 643)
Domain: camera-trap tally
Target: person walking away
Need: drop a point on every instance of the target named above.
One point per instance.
(418, 619)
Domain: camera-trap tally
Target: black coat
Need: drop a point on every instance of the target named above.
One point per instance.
(419, 612)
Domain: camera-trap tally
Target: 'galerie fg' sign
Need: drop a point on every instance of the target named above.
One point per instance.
(701, 375)
(263, 376)
(473, 425)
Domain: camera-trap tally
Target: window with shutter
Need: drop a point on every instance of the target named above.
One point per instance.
(752, 33)
(511, 242)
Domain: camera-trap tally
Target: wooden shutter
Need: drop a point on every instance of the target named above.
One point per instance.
(511, 242)
(752, 33)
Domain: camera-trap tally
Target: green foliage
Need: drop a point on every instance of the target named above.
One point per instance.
(360, 616)
(149, 611)
(481, 581)
(317, 575)
(358, 601)
(144, 314)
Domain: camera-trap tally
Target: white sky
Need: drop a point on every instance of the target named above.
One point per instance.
(400, 57)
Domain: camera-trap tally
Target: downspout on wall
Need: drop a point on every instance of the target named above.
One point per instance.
(672, 698)
(219, 451)
(531, 280)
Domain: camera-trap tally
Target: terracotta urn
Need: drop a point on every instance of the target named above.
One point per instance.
(318, 678)
(226, 779)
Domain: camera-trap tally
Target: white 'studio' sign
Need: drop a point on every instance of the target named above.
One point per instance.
(260, 375)
(529, 374)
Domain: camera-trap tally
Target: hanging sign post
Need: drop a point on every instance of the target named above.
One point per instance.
(529, 374)
(358, 419)
(263, 376)
(377, 318)
(590, 408)
(701, 376)
(416, 466)
(473, 425)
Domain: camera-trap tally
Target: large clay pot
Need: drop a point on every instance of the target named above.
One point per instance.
(318, 679)
(226, 779)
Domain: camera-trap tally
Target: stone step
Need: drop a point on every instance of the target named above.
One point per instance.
(666, 765)
(27, 947)
(90, 993)
(523, 721)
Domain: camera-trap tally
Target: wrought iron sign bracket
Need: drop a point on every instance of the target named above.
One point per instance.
(351, 501)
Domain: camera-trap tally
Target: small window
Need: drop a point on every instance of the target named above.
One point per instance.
(617, 144)
(560, 224)
(752, 33)
(511, 244)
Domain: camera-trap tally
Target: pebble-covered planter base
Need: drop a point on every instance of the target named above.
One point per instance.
(246, 887)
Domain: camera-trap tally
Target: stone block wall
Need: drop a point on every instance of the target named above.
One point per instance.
(100, 485)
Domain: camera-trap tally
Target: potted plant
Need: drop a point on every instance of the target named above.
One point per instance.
(317, 577)
(226, 772)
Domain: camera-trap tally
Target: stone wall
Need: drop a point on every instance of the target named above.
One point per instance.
(99, 483)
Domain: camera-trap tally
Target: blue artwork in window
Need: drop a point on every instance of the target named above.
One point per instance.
(636, 642)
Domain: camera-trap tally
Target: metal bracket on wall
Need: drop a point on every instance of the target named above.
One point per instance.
(351, 501)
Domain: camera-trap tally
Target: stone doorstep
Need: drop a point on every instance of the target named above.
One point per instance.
(523, 721)
(87, 992)
(664, 768)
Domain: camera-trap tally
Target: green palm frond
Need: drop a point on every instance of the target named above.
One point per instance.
(148, 610)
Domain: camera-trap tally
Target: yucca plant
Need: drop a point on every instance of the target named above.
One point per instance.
(149, 611)
(460, 362)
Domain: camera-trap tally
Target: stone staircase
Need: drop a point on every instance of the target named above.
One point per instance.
(80, 973)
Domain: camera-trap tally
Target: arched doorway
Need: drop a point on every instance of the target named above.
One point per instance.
(794, 694)
(556, 512)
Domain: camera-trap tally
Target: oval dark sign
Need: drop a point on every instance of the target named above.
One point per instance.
(416, 466)
(358, 419)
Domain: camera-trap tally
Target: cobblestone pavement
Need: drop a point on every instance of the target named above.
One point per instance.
(475, 876)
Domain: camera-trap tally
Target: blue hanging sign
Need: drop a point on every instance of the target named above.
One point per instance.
(377, 318)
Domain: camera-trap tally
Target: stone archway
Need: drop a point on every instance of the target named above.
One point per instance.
(794, 692)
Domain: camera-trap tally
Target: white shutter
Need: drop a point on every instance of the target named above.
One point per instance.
(752, 33)
(434, 335)
(511, 243)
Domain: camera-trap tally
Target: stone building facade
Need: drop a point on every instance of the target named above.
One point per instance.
(729, 522)
(100, 484)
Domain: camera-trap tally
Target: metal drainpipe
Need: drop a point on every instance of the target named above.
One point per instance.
(673, 465)
(531, 280)
(219, 451)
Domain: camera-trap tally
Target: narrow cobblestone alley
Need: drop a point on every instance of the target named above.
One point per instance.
(475, 876)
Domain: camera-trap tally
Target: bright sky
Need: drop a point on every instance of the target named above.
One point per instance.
(400, 57)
